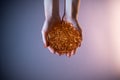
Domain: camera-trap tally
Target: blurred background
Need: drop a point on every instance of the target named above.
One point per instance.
(25, 58)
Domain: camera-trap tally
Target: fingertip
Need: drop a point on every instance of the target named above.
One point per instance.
(60, 54)
(68, 54)
(45, 46)
(54, 51)
(79, 45)
(74, 51)
(51, 49)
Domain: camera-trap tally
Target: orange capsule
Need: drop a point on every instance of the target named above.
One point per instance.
(64, 38)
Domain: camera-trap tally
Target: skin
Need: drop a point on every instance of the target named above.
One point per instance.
(71, 15)
(51, 8)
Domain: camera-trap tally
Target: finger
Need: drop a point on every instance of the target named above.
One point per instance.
(47, 43)
(78, 26)
(51, 50)
(79, 44)
(44, 37)
(58, 54)
(74, 51)
(68, 54)
(44, 33)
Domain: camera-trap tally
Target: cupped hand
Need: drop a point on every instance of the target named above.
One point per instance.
(75, 24)
(45, 29)
(48, 25)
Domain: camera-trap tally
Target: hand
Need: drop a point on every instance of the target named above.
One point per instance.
(46, 27)
(75, 24)
(71, 15)
(52, 15)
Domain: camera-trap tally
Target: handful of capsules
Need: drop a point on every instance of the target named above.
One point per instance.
(64, 38)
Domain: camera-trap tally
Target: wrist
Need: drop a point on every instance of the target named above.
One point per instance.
(70, 19)
(52, 18)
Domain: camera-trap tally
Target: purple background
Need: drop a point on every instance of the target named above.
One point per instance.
(25, 58)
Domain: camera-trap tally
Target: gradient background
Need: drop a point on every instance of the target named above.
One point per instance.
(25, 58)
